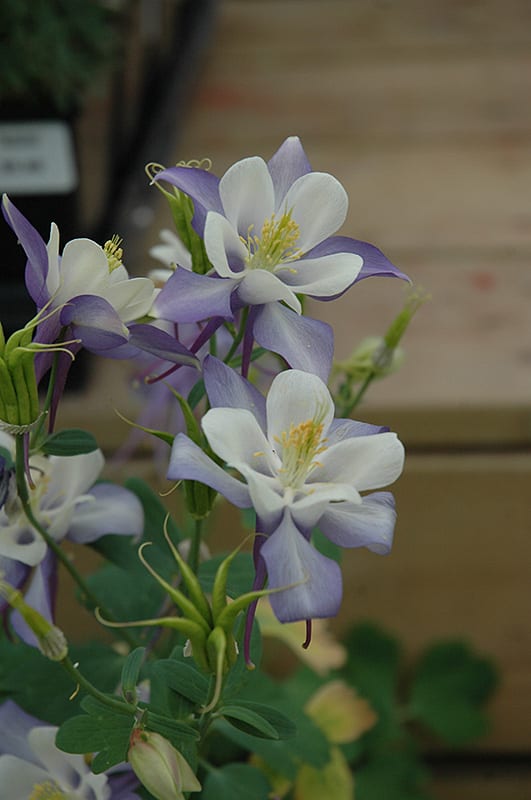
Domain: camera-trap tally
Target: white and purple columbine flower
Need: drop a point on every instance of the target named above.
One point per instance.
(67, 504)
(31, 766)
(268, 232)
(300, 468)
(88, 285)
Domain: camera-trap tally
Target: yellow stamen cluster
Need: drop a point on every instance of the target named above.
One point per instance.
(300, 445)
(46, 791)
(275, 245)
(114, 252)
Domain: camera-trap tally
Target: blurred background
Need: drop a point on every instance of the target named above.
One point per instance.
(421, 109)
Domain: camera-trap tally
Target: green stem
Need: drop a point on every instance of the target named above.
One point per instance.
(238, 337)
(37, 432)
(349, 407)
(23, 494)
(112, 702)
(195, 547)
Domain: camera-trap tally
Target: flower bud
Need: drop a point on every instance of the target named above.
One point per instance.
(160, 767)
(50, 639)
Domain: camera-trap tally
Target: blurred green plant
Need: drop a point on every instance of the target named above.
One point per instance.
(51, 52)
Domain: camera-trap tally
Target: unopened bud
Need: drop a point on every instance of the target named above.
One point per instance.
(161, 769)
(50, 639)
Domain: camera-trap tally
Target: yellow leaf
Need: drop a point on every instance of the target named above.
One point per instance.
(334, 781)
(340, 712)
(324, 653)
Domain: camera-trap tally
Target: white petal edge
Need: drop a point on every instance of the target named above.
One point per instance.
(294, 397)
(319, 205)
(247, 195)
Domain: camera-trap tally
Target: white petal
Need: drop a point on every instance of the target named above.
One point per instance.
(70, 771)
(307, 509)
(247, 195)
(171, 251)
(367, 462)
(22, 543)
(223, 246)
(322, 277)
(84, 269)
(296, 397)
(132, 298)
(319, 206)
(52, 278)
(259, 287)
(267, 497)
(235, 436)
(71, 477)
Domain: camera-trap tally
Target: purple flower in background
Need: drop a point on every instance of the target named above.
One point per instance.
(268, 231)
(299, 468)
(31, 766)
(68, 505)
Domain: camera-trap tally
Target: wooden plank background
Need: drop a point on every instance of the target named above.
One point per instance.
(422, 110)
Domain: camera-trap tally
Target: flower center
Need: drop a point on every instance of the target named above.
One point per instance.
(47, 791)
(114, 252)
(275, 245)
(300, 445)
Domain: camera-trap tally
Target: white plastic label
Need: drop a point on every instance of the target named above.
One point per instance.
(37, 158)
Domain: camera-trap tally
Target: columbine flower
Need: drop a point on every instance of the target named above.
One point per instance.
(268, 231)
(170, 252)
(88, 282)
(300, 468)
(33, 768)
(68, 504)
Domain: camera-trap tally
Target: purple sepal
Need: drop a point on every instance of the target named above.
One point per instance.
(189, 297)
(226, 389)
(189, 462)
(287, 165)
(40, 595)
(313, 581)
(370, 524)
(122, 785)
(306, 344)
(375, 263)
(158, 343)
(94, 321)
(34, 247)
(349, 428)
(15, 724)
(112, 509)
(199, 184)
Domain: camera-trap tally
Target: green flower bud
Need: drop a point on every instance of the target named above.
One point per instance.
(51, 640)
(160, 767)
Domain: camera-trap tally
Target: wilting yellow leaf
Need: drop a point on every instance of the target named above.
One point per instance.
(340, 713)
(333, 782)
(324, 653)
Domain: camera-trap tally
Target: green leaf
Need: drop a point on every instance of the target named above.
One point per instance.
(393, 776)
(308, 745)
(42, 688)
(235, 782)
(182, 678)
(250, 721)
(172, 729)
(449, 689)
(372, 669)
(131, 671)
(102, 730)
(70, 442)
